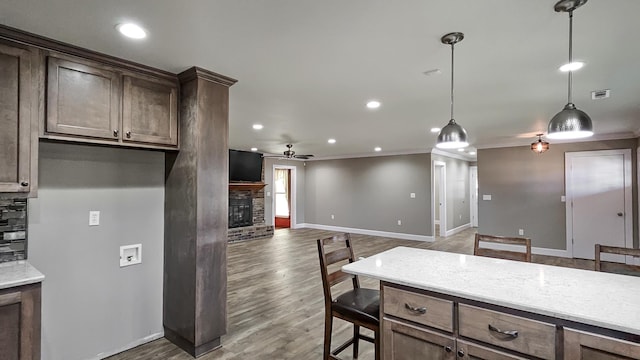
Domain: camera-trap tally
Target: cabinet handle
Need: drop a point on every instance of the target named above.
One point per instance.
(418, 310)
(448, 349)
(620, 214)
(115, 133)
(24, 183)
(460, 353)
(509, 333)
(128, 134)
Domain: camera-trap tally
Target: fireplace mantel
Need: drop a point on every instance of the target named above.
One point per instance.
(246, 185)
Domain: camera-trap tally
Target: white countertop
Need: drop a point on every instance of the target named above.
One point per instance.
(595, 298)
(17, 273)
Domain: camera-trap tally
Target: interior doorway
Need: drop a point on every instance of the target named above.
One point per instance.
(283, 207)
(439, 198)
(598, 202)
(473, 195)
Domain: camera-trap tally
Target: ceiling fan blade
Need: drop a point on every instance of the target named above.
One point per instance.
(303, 156)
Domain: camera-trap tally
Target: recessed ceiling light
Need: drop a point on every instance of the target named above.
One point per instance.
(254, 149)
(132, 31)
(461, 150)
(331, 141)
(572, 66)
(257, 126)
(435, 130)
(378, 148)
(472, 152)
(373, 104)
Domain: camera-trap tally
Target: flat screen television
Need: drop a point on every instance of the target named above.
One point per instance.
(245, 166)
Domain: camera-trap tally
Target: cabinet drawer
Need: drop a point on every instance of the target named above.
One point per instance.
(423, 309)
(529, 337)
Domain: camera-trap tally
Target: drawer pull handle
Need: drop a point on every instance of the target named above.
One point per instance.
(460, 353)
(417, 310)
(509, 333)
(448, 349)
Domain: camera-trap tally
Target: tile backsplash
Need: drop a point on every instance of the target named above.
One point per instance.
(13, 230)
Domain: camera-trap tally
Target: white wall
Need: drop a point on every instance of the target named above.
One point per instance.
(90, 305)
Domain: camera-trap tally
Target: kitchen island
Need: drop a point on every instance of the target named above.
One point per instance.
(449, 306)
(20, 298)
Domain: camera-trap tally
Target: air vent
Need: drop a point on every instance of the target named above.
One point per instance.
(600, 94)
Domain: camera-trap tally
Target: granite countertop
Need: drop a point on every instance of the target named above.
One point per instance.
(17, 273)
(595, 298)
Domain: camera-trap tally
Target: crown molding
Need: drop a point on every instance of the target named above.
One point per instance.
(527, 142)
(380, 154)
(458, 156)
(195, 72)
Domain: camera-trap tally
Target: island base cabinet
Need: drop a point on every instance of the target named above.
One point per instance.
(402, 341)
(20, 323)
(580, 345)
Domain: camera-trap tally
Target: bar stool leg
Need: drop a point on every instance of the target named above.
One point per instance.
(356, 340)
(328, 324)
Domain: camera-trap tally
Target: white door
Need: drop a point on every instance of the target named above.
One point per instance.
(598, 185)
(473, 195)
(439, 190)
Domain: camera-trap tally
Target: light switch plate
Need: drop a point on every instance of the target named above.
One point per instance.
(94, 218)
(486, 197)
(130, 255)
(563, 198)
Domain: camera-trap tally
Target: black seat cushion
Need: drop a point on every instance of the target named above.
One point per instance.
(361, 304)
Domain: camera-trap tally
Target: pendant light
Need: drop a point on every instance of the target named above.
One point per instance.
(452, 136)
(570, 123)
(539, 146)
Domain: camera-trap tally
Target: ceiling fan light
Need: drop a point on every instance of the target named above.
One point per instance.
(452, 136)
(570, 123)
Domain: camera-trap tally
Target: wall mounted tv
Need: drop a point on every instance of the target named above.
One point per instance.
(245, 166)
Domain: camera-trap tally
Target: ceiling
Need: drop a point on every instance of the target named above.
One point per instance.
(306, 68)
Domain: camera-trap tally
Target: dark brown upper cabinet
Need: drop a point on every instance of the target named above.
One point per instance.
(88, 101)
(18, 118)
(149, 111)
(83, 99)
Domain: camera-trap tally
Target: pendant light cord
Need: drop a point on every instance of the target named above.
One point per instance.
(452, 45)
(570, 53)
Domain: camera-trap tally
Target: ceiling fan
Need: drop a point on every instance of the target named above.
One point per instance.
(289, 154)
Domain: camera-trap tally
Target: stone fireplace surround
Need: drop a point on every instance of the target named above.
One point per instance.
(259, 229)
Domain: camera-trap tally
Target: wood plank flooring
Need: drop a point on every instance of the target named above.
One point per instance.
(275, 299)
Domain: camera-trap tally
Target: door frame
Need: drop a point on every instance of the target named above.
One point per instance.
(442, 196)
(473, 188)
(292, 180)
(628, 197)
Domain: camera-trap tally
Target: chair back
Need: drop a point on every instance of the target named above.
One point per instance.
(524, 255)
(615, 267)
(333, 250)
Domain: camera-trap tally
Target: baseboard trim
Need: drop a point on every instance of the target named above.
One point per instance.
(458, 229)
(388, 234)
(129, 346)
(190, 348)
(534, 250)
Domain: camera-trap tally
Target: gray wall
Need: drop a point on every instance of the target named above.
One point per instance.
(371, 193)
(89, 304)
(457, 191)
(300, 188)
(526, 190)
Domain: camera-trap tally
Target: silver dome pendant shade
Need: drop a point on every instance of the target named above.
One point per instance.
(570, 123)
(452, 136)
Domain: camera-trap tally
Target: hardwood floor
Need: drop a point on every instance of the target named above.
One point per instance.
(275, 299)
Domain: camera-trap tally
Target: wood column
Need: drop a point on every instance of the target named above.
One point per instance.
(196, 216)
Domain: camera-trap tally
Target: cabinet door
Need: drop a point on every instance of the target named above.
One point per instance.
(150, 111)
(579, 345)
(16, 111)
(402, 341)
(83, 99)
(20, 323)
(467, 350)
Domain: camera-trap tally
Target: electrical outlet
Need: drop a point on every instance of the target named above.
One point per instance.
(521, 232)
(412, 195)
(333, 216)
(399, 222)
(94, 218)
